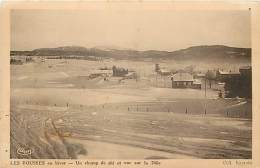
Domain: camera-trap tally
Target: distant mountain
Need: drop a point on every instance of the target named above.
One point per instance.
(196, 53)
(212, 53)
(110, 47)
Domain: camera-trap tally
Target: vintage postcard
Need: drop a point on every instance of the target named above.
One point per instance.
(132, 84)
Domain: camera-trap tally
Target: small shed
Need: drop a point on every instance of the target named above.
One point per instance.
(196, 84)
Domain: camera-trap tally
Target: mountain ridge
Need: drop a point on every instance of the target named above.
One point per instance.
(202, 52)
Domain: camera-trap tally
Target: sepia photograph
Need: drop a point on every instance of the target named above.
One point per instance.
(130, 84)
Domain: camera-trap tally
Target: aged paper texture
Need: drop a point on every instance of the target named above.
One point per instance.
(129, 84)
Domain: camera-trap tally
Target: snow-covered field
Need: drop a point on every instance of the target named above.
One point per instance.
(93, 118)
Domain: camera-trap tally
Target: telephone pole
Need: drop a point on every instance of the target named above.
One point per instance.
(205, 97)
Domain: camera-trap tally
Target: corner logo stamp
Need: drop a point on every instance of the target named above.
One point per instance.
(24, 150)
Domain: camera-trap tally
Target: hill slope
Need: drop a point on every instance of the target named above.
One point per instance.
(196, 53)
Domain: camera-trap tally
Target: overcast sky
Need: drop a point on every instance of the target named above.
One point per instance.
(136, 29)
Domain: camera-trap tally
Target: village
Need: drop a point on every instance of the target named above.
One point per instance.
(228, 83)
(152, 109)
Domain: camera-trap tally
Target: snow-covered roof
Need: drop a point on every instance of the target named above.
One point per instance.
(130, 74)
(98, 71)
(245, 67)
(182, 76)
(164, 71)
(228, 72)
(196, 82)
(200, 75)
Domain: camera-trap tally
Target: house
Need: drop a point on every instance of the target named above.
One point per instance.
(200, 75)
(16, 61)
(120, 72)
(225, 75)
(185, 80)
(182, 80)
(245, 82)
(196, 84)
(99, 72)
(245, 70)
(131, 75)
(237, 84)
(164, 72)
(19, 60)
